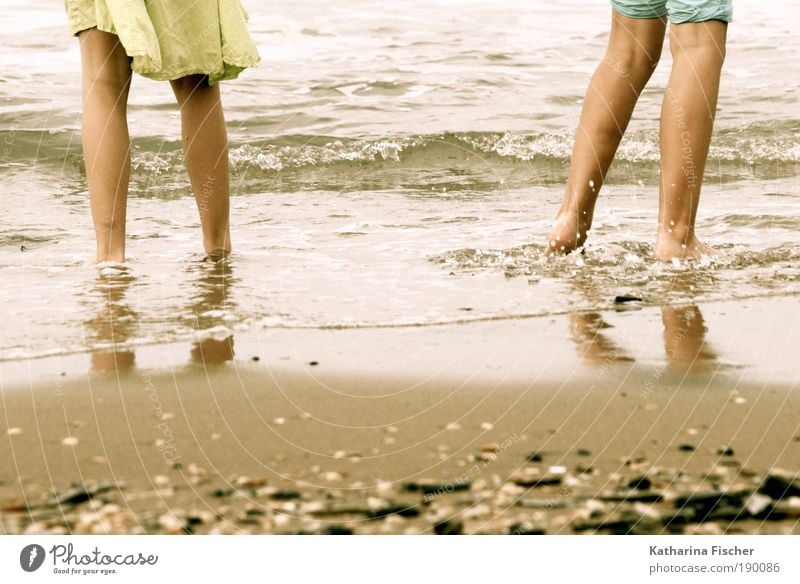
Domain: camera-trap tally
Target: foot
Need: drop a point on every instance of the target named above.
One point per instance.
(668, 249)
(568, 234)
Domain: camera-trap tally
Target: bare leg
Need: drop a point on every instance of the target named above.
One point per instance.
(634, 49)
(106, 145)
(687, 118)
(205, 144)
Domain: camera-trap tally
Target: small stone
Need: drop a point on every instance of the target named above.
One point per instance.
(313, 363)
(486, 425)
(84, 493)
(249, 483)
(448, 527)
(279, 421)
(526, 528)
(14, 431)
(725, 451)
(640, 483)
(583, 452)
(99, 460)
(339, 454)
(780, 484)
(255, 358)
(535, 457)
(686, 447)
(491, 447)
(431, 487)
(487, 457)
(757, 503)
(453, 426)
(171, 524)
(161, 481)
(69, 441)
(331, 476)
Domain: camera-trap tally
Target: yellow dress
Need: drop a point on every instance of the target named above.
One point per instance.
(170, 39)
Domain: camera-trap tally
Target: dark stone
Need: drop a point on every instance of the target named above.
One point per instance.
(255, 358)
(625, 298)
(83, 493)
(640, 483)
(718, 505)
(427, 487)
(401, 510)
(583, 452)
(525, 529)
(686, 447)
(780, 486)
(313, 363)
(285, 495)
(337, 530)
(633, 496)
(449, 527)
(538, 481)
(219, 493)
(535, 457)
(725, 451)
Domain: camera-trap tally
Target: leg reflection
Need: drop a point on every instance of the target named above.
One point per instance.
(113, 324)
(685, 339)
(211, 306)
(594, 345)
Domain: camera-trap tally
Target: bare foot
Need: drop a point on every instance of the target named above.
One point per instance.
(668, 249)
(568, 233)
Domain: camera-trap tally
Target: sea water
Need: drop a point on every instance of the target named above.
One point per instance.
(393, 165)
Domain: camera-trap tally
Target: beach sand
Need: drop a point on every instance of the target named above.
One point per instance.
(682, 419)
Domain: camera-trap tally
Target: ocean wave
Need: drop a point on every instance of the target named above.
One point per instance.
(746, 146)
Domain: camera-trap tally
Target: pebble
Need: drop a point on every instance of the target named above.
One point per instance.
(486, 425)
(69, 441)
(14, 431)
(640, 483)
(686, 447)
(780, 484)
(448, 527)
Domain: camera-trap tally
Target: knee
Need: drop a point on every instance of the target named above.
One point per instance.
(186, 87)
(699, 42)
(633, 60)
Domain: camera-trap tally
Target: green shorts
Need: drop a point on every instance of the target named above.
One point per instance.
(678, 11)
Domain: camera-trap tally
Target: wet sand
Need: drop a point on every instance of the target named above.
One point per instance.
(657, 420)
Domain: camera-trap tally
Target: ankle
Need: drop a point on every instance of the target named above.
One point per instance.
(676, 232)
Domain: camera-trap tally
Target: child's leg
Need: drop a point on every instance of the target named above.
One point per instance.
(634, 49)
(106, 145)
(687, 118)
(205, 144)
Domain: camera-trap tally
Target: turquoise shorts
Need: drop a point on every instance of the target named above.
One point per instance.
(678, 11)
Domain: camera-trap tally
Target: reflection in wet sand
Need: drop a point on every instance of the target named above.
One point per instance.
(685, 339)
(210, 306)
(684, 333)
(113, 324)
(587, 330)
